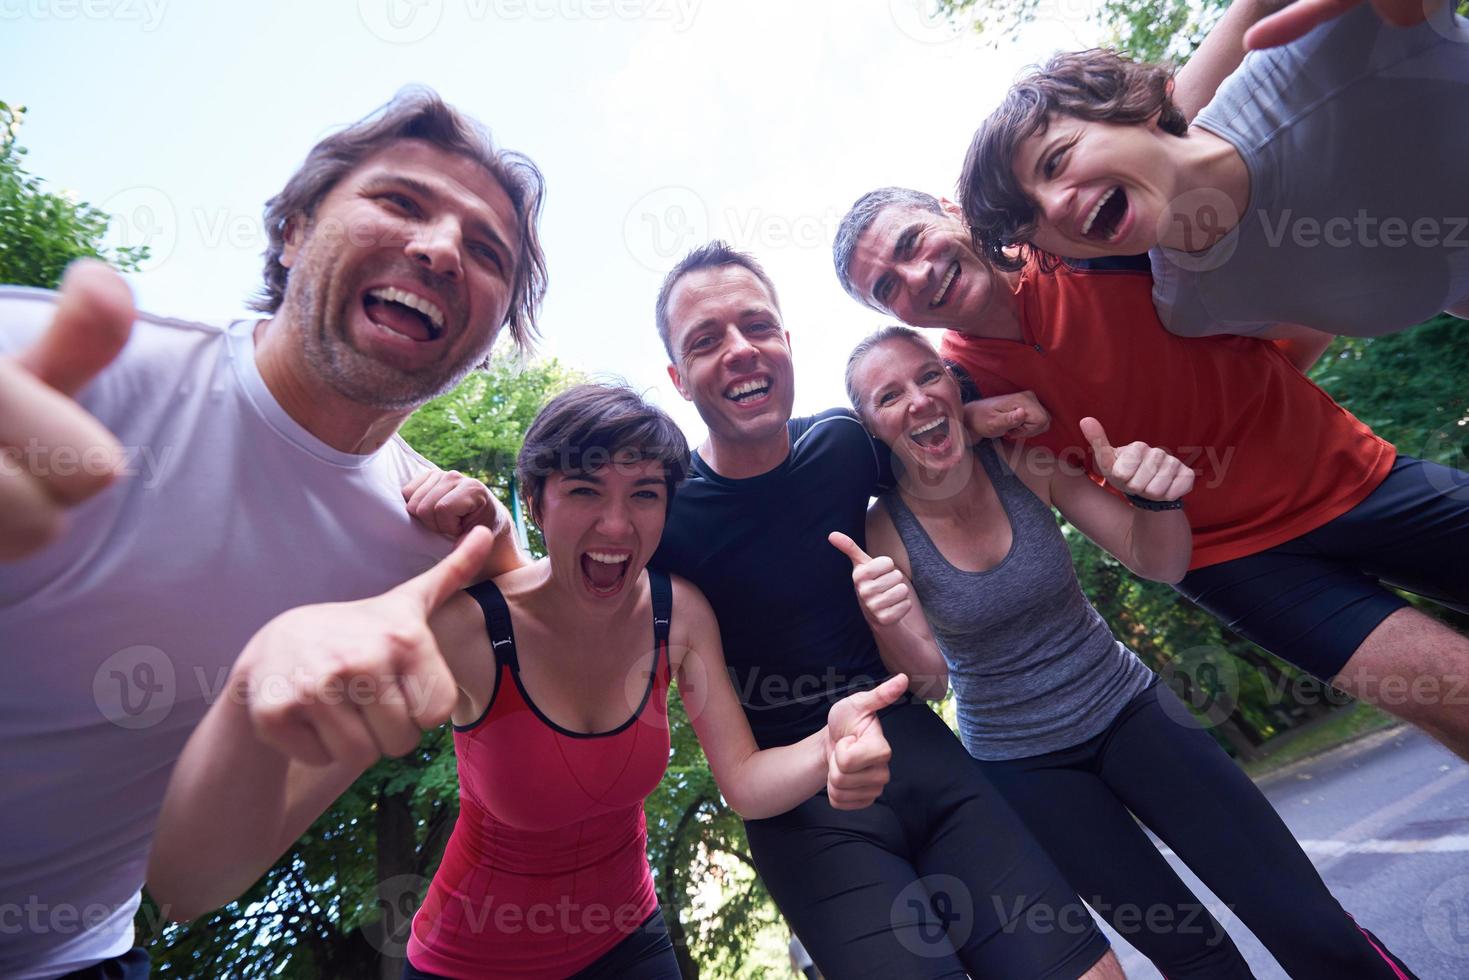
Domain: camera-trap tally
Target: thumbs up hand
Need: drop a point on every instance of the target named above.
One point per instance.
(353, 681)
(1137, 468)
(857, 769)
(882, 588)
(53, 454)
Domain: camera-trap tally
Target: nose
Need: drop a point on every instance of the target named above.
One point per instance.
(1054, 203)
(436, 245)
(915, 274)
(615, 520)
(737, 346)
(918, 401)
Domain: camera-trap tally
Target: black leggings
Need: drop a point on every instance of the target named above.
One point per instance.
(646, 954)
(1156, 762)
(938, 878)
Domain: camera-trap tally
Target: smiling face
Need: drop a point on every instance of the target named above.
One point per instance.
(1099, 188)
(601, 526)
(732, 357)
(402, 278)
(921, 267)
(910, 401)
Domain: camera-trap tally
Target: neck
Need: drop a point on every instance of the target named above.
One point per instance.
(951, 492)
(549, 599)
(339, 422)
(742, 460)
(1000, 319)
(1213, 186)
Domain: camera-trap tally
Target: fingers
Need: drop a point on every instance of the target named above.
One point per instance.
(446, 501)
(848, 547)
(29, 517)
(412, 486)
(858, 770)
(459, 570)
(94, 315)
(1096, 436)
(1295, 21)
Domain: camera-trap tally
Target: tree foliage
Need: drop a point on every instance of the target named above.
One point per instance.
(40, 230)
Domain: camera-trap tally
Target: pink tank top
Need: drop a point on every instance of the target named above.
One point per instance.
(547, 867)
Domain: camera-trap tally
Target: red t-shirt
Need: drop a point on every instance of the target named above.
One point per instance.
(1275, 456)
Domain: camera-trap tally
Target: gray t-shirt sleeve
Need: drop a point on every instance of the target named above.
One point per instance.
(24, 316)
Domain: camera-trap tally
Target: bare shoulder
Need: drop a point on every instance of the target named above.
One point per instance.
(459, 629)
(883, 537)
(694, 622)
(1033, 464)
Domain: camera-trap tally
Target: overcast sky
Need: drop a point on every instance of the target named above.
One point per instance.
(658, 124)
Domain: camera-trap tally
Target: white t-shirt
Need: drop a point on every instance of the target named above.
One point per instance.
(1356, 138)
(115, 639)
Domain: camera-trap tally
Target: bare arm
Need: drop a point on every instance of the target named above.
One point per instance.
(891, 608)
(848, 756)
(286, 740)
(1153, 544)
(1219, 55)
(450, 503)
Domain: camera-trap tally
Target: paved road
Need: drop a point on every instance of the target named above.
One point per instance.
(1386, 821)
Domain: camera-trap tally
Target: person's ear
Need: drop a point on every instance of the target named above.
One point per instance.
(677, 380)
(295, 234)
(951, 209)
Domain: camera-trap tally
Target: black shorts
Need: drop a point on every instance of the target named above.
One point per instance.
(1313, 600)
(938, 878)
(132, 965)
(646, 954)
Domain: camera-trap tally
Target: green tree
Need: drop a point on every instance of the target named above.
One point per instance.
(40, 230)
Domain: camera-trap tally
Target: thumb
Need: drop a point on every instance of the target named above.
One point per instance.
(94, 315)
(1092, 430)
(462, 566)
(873, 701)
(848, 547)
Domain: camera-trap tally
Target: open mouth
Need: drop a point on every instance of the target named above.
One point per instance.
(404, 313)
(932, 436)
(950, 278)
(748, 391)
(605, 571)
(1102, 224)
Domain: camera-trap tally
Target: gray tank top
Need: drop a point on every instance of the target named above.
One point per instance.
(1033, 666)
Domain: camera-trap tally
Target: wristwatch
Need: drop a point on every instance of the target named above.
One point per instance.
(1143, 503)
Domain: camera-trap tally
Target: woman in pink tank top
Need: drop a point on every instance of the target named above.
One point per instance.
(562, 669)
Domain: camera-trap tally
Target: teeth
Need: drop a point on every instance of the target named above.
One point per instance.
(607, 559)
(944, 286)
(925, 428)
(413, 302)
(1086, 226)
(746, 387)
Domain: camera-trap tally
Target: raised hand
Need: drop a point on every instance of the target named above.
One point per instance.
(450, 503)
(1300, 17)
(882, 588)
(53, 454)
(353, 681)
(1015, 416)
(857, 769)
(1137, 468)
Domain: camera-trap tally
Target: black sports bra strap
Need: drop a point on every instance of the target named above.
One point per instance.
(497, 622)
(662, 589)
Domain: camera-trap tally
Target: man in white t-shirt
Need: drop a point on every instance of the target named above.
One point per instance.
(250, 468)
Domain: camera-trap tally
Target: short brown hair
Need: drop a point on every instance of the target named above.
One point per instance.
(1097, 85)
(417, 113)
(590, 425)
(711, 255)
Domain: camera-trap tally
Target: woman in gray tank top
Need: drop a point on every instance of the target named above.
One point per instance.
(1071, 727)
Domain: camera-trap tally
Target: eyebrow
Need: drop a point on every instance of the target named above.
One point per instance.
(477, 226)
(712, 321)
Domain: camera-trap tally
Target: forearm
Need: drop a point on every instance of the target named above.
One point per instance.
(1218, 56)
(1160, 545)
(771, 781)
(233, 806)
(505, 555)
(908, 647)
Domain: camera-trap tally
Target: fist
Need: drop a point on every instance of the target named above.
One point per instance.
(881, 586)
(1017, 416)
(857, 767)
(450, 503)
(1137, 468)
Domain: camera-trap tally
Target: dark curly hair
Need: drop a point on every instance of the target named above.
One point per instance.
(1097, 85)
